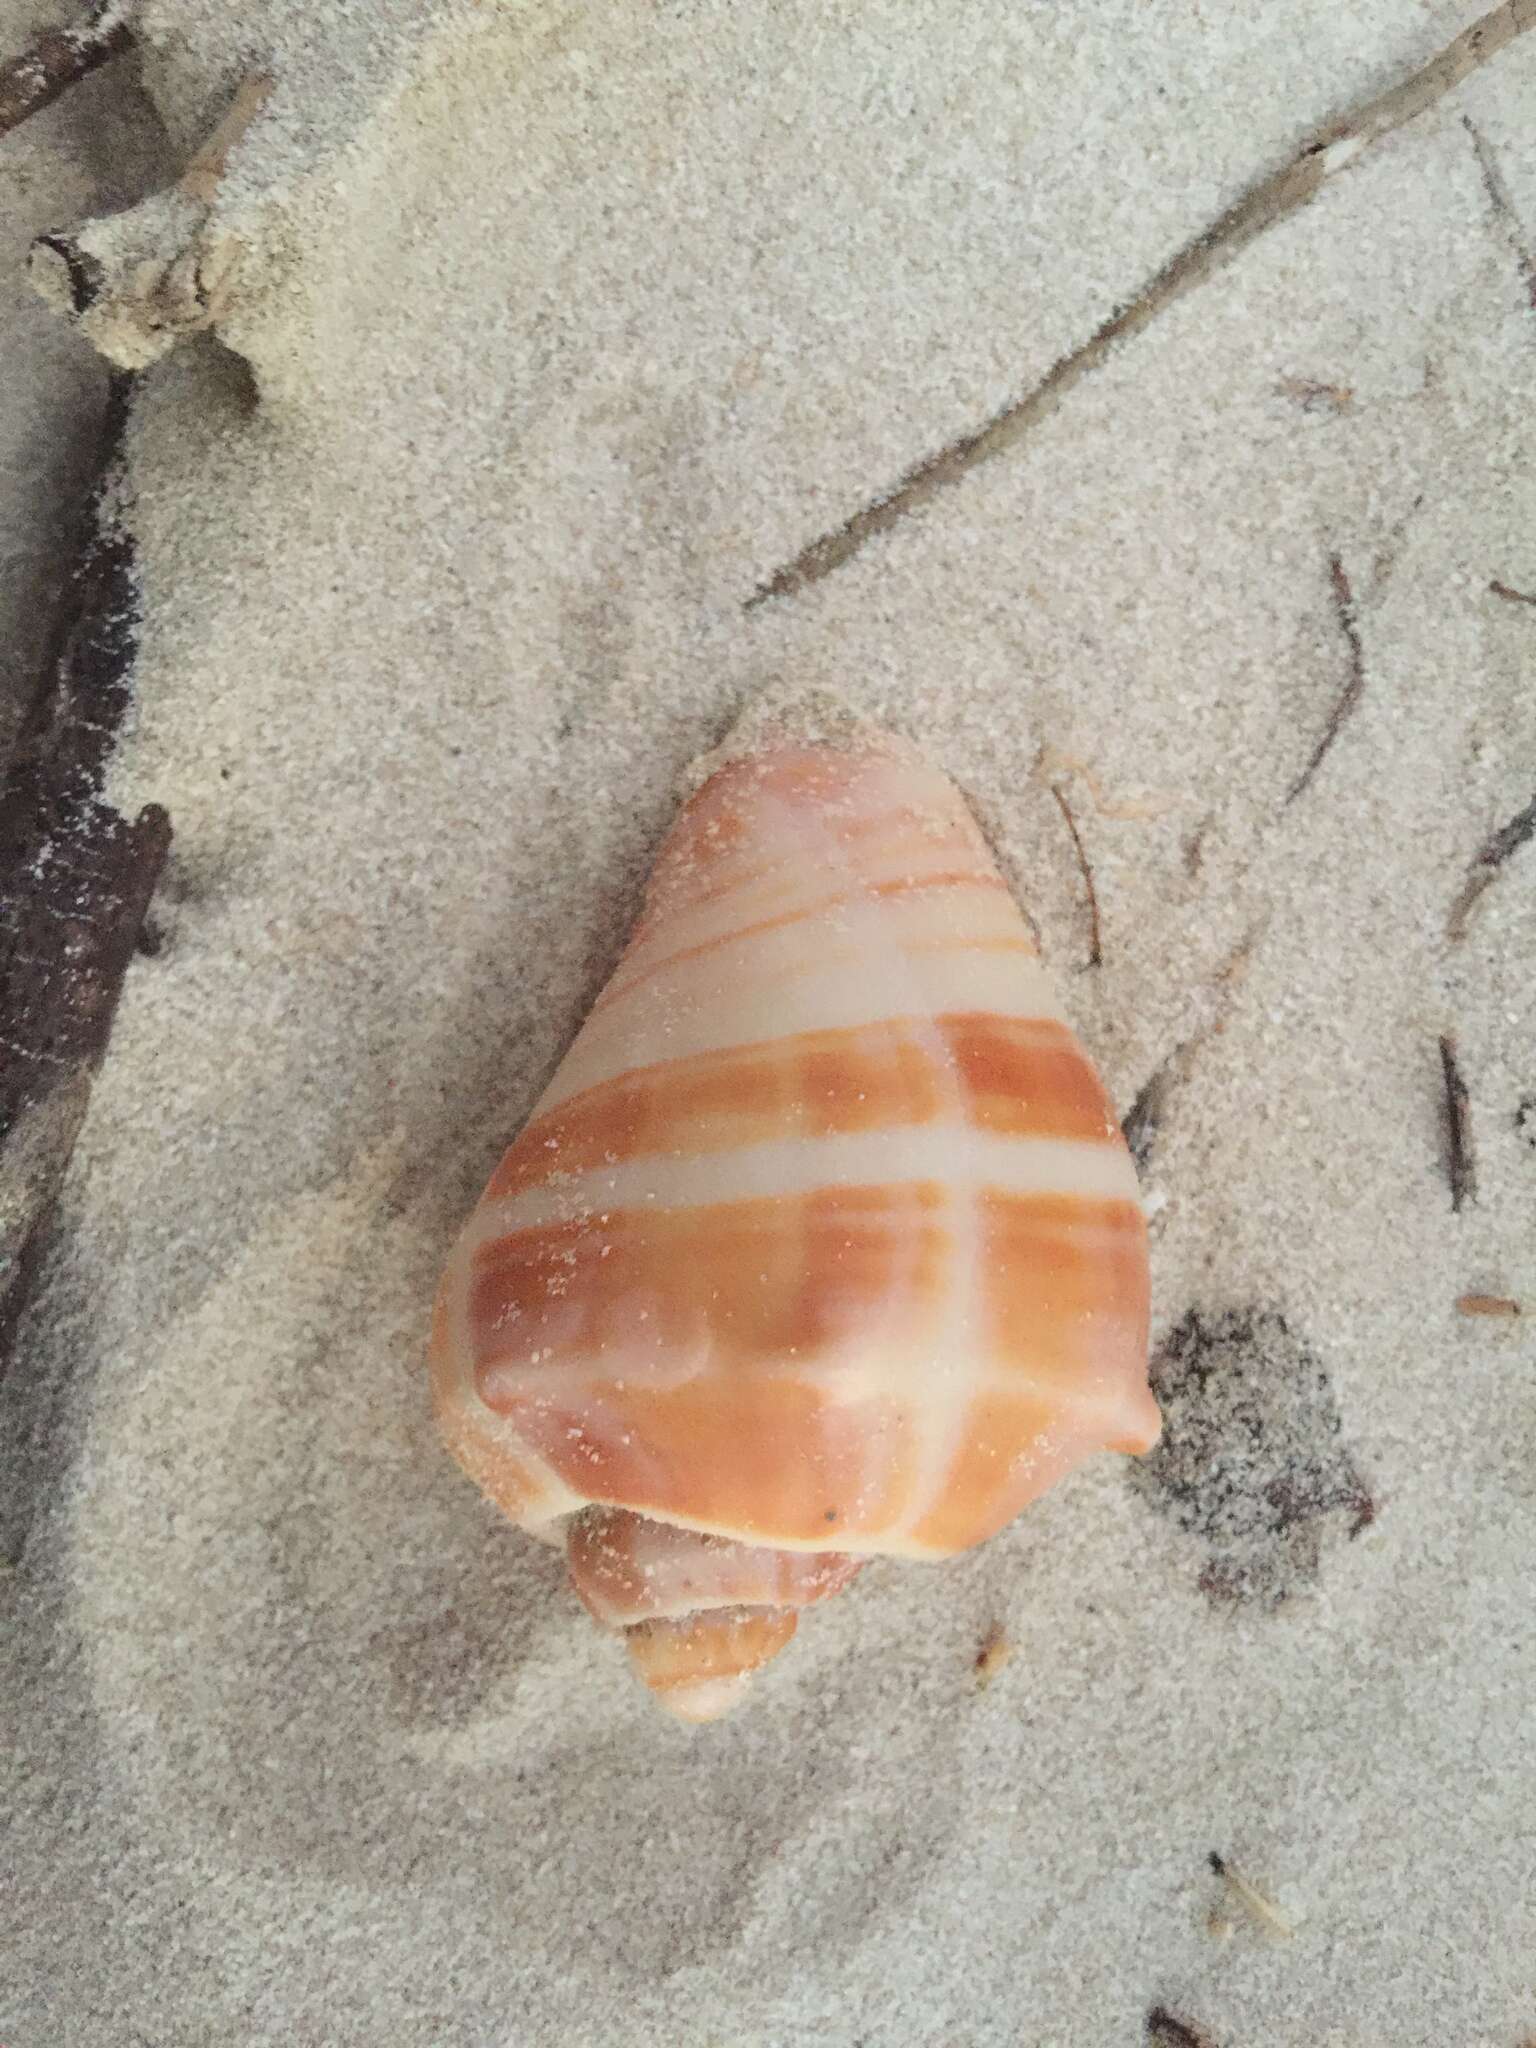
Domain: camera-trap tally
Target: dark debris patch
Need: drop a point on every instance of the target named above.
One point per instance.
(1252, 1460)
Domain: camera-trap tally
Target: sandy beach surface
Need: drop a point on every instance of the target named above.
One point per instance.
(560, 330)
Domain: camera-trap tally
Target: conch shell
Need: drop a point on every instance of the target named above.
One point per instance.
(823, 1243)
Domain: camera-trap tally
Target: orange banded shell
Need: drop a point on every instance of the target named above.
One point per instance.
(823, 1243)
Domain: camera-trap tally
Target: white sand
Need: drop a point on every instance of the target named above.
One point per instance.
(567, 335)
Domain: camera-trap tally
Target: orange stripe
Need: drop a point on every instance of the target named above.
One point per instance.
(810, 1085)
(579, 1333)
(1069, 1290)
(1026, 1078)
(1023, 1077)
(905, 886)
(861, 799)
(754, 1282)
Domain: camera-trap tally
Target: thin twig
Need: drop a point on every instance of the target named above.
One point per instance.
(1487, 1305)
(1504, 210)
(1095, 948)
(1459, 1169)
(201, 179)
(1354, 687)
(1144, 1117)
(60, 58)
(1336, 146)
(1485, 867)
(1312, 396)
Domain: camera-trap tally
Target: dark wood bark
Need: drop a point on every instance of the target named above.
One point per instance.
(75, 882)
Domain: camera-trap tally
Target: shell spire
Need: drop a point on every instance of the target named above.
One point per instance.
(822, 1244)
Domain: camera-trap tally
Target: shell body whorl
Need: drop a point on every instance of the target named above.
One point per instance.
(823, 1242)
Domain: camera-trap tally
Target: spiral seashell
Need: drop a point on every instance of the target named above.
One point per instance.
(822, 1244)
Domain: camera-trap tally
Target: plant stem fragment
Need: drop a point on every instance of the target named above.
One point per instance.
(1349, 701)
(1495, 851)
(1095, 946)
(1459, 1168)
(1487, 1305)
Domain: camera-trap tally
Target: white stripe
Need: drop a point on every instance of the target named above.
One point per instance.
(712, 1007)
(954, 1158)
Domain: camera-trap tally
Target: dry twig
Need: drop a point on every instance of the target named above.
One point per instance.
(1142, 1119)
(1504, 210)
(1459, 1168)
(1333, 149)
(1095, 945)
(1313, 396)
(1490, 857)
(1349, 700)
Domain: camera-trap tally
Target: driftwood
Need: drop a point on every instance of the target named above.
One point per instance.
(75, 882)
(135, 283)
(60, 58)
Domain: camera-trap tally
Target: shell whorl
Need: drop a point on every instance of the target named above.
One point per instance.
(699, 1613)
(822, 1243)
